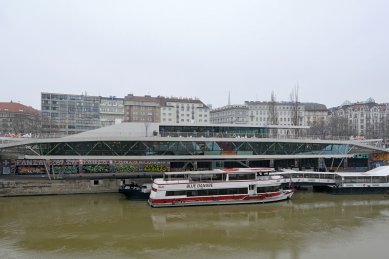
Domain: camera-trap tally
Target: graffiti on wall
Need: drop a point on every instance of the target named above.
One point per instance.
(74, 166)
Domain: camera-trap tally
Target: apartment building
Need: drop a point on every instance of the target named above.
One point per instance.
(165, 109)
(142, 109)
(275, 113)
(66, 114)
(230, 114)
(111, 110)
(367, 118)
(184, 110)
(18, 120)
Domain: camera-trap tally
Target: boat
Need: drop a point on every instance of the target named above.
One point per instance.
(218, 187)
(134, 191)
(374, 181)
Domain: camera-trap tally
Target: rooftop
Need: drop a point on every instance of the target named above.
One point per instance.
(13, 107)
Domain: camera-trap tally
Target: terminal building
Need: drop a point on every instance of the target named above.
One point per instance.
(159, 147)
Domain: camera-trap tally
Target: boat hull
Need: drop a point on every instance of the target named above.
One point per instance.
(221, 200)
(134, 193)
(354, 190)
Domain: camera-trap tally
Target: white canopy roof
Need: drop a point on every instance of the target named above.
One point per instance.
(378, 171)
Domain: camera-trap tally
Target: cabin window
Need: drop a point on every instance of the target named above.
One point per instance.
(175, 193)
(206, 177)
(327, 176)
(210, 192)
(217, 177)
(176, 177)
(236, 177)
(267, 189)
(298, 175)
(357, 179)
(312, 176)
(195, 178)
(379, 179)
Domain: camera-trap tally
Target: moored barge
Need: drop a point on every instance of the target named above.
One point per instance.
(375, 181)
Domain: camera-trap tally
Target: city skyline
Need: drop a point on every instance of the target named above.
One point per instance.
(334, 51)
(345, 102)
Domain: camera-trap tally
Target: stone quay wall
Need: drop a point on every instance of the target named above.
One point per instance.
(54, 187)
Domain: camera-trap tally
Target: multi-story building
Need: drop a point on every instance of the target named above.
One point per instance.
(18, 120)
(271, 113)
(183, 110)
(315, 113)
(65, 114)
(164, 109)
(367, 119)
(142, 109)
(230, 114)
(276, 113)
(111, 110)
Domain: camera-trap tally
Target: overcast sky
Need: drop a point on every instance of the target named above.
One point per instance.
(334, 50)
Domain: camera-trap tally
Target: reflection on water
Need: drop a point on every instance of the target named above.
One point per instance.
(311, 224)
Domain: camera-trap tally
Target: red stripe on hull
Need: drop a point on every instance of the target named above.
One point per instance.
(225, 198)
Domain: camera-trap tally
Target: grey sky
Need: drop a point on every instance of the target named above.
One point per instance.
(334, 50)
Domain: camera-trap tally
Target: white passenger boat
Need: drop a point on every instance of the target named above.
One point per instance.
(217, 187)
(369, 182)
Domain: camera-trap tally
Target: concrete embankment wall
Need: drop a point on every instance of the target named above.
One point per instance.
(54, 187)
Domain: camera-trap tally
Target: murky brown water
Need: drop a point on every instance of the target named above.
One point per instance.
(312, 225)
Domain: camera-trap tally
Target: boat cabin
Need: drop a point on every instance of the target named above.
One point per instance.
(220, 175)
(374, 176)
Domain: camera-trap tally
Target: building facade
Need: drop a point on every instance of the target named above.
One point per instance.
(276, 113)
(230, 114)
(315, 113)
(18, 120)
(271, 113)
(111, 110)
(142, 109)
(66, 114)
(184, 111)
(164, 109)
(368, 119)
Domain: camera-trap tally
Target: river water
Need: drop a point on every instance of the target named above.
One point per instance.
(311, 225)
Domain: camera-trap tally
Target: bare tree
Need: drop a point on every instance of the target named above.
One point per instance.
(273, 115)
(340, 126)
(319, 128)
(294, 99)
(26, 124)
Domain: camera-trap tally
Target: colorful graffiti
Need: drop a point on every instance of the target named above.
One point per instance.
(23, 170)
(122, 168)
(96, 169)
(65, 169)
(154, 168)
(74, 166)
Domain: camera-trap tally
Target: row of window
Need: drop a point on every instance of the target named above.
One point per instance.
(142, 113)
(187, 115)
(216, 192)
(207, 192)
(278, 107)
(116, 110)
